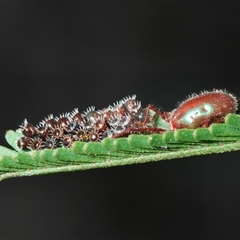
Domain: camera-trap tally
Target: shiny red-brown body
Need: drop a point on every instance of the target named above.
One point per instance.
(202, 110)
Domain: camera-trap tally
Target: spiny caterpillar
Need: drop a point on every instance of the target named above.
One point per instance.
(126, 117)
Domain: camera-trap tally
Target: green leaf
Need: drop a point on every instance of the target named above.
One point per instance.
(7, 152)
(137, 148)
(12, 138)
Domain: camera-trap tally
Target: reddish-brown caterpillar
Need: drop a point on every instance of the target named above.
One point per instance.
(125, 117)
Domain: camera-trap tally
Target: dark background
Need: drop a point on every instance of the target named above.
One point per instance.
(58, 56)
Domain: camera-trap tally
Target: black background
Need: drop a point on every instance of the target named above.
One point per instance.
(57, 56)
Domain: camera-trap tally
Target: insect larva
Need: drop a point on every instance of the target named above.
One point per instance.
(127, 117)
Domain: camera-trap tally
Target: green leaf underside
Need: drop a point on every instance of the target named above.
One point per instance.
(137, 148)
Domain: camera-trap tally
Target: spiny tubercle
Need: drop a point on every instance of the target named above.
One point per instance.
(91, 125)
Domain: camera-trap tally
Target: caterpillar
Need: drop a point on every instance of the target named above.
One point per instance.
(126, 117)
